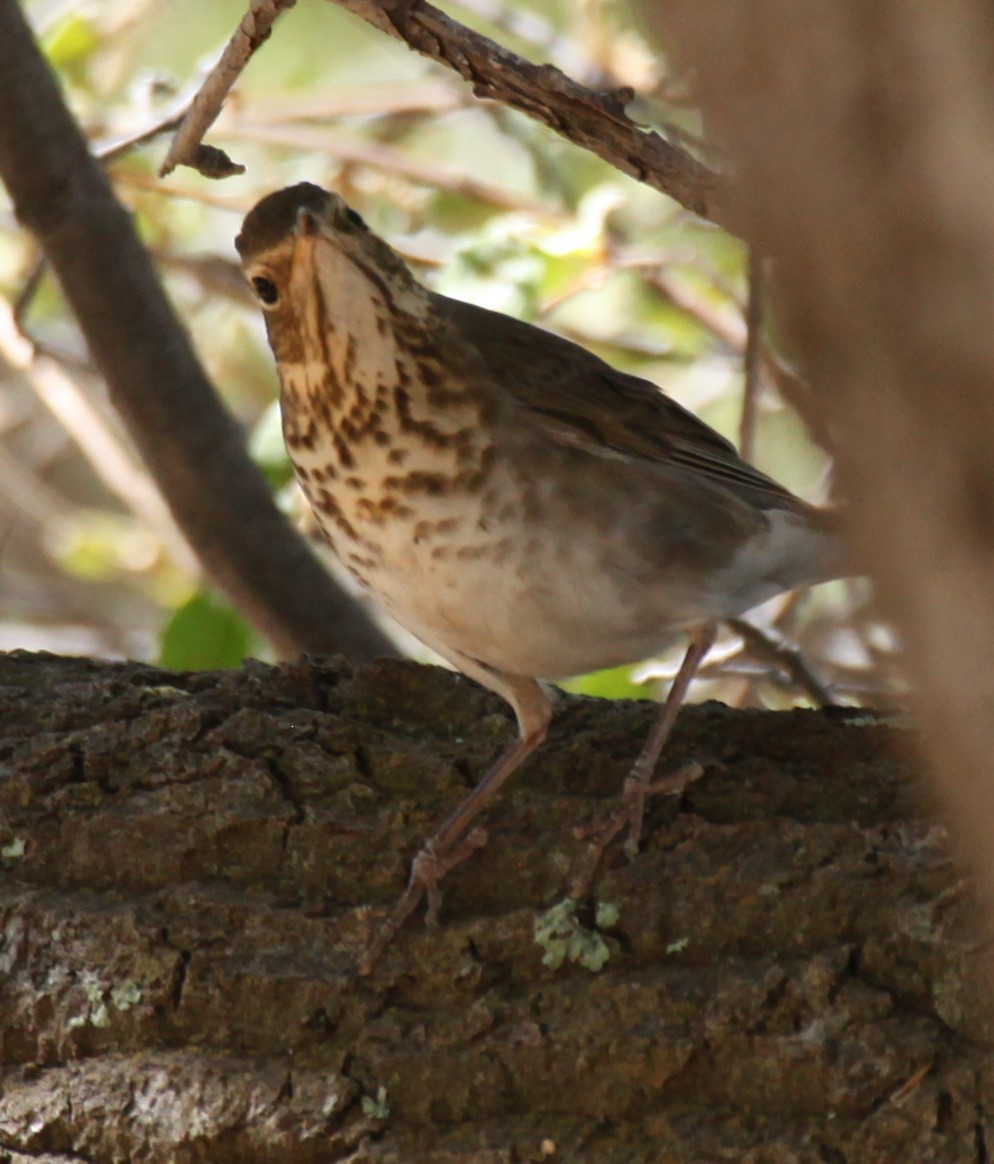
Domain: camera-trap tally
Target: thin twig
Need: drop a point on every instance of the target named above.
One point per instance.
(788, 384)
(785, 656)
(442, 175)
(111, 151)
(187, 148)
(727, 328)
(92, 434)
(108, 153)
(752, 360)
(591, 278)
(153, 185)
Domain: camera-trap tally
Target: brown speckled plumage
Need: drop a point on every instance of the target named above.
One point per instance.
(524, 508)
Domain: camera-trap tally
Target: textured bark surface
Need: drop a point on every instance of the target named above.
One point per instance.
(190, 864)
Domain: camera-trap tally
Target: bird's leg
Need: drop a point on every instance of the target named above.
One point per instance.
(451, 844)
(638, 783)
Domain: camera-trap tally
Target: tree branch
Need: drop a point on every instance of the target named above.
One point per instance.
(193, 862)
(191, 445)
(753, 358)
(776, 650)
(594, 121)
(187, 148)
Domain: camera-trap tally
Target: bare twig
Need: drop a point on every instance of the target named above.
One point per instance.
(787, 383)
(190, 443)
(725, 327)
(107, 152)
(187, 147)
(592, 277)
(441, 175)
(785, 656)
(137, 181)
(110, 151)
(91, 433)
(752, 359)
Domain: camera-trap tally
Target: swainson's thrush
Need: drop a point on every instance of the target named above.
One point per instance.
(523, 508)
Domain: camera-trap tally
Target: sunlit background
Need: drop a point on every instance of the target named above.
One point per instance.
(487, 205)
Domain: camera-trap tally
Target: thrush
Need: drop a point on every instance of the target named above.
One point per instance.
(526, 510)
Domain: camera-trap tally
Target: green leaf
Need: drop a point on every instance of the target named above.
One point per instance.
(205, 633)
(71, 41)
(615, 683)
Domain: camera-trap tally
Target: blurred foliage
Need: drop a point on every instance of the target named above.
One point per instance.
(487, 205)
(206, 632)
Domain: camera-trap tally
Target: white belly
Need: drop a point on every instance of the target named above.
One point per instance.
(538, 596)
(547, 606)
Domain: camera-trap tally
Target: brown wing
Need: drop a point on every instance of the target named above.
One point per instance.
(587, 403)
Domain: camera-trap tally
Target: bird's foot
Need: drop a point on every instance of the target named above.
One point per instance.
(631, 812)
(427, 870)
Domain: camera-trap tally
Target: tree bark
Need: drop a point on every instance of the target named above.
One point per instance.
(191, 445)
(192, 862)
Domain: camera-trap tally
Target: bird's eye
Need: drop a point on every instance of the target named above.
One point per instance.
(355, 218)
(266, 290)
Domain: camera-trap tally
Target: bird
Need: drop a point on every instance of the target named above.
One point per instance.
(523, 508)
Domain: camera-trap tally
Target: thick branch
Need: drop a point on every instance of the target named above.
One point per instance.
(192, 862)
(189, 442)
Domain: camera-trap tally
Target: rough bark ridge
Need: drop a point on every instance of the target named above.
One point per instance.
(188, 864)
